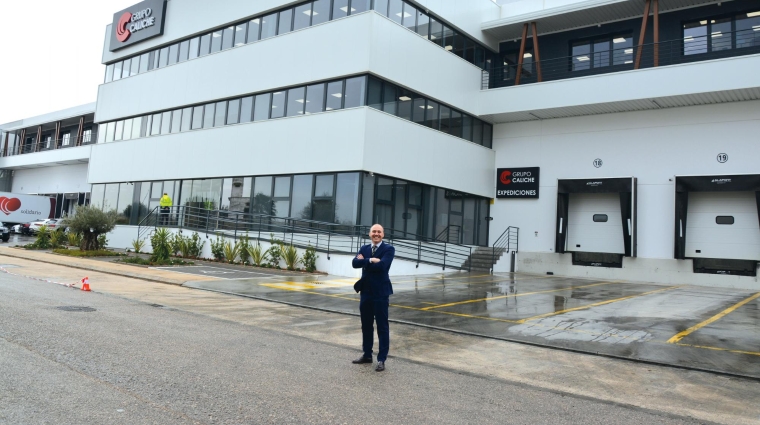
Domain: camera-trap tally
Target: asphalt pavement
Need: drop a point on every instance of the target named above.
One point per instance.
(72, 357)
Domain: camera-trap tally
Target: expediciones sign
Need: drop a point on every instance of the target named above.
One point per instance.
(517, 183)
(137, 23)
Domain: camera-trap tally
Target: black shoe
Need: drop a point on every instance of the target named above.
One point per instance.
(380, 367)
(362, 360)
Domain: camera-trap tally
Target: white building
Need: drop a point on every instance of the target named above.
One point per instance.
(625, 147)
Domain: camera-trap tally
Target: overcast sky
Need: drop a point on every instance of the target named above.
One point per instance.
(51, 52)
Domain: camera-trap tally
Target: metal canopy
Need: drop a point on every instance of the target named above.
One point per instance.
(580, 15)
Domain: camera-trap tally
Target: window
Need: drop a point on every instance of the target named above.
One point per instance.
(246, 109)
(125, 68)
(286, 22)
(194, 48)
(261, 109)
(155, 129)
(334, 95)
(409, 15)
(197, 118)
(301, 197)
(302, 16)
(719, 34)
(173, 54)
(419, 107)
(423, 24)
(66, 139)
(216, 41)
(431, 116)
(601, 52)
(187, 114)
(137, 127)
(176, 121)
(358, 6)
(381, 6)
(119, 130)
(724, 219)
(228, 38)
(375, 93)
(296, 101)
(233, 111)
(278, 105)
(320, 12)
(600, 218)
(205, 45)
(748, 30)
(184, 48)
(268, 26)
(117, 71)
(315, 98)
(208, 115)
(127, 134)
(163, 57)
(135, 68)
(436, 32)
(389, 98)
(87, 136)
(166, 121)
(455, 123)
(254, 28)
(109, 73)
(340, 9)
(144, 62)
(240, 34)
(221, 112)
(395, 10)
(355, 92)
(404, 104)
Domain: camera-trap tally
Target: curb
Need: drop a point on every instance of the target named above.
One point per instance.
(96, 269)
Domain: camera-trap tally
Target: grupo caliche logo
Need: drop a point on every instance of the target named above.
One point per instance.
(138, 22)
(8, 205)
(133, 22)
(517, 182)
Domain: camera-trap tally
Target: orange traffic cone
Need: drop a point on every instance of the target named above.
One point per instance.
(86, 284)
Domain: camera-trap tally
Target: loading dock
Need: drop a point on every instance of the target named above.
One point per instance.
(717, 223)
(596, 220)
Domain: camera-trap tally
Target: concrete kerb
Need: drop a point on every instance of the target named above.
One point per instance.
(91, 265)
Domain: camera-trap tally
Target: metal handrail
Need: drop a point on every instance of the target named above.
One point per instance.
(322, 236)
(46, 145)
(509, 238)
(670, 52)
(447, 233)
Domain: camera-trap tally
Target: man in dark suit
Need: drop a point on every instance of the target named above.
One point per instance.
(375, 260)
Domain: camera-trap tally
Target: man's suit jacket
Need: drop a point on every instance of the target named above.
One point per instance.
(375, 280)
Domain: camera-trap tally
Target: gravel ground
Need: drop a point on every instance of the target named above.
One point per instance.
(133, 363)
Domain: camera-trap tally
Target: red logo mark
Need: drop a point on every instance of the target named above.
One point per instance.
(504, 177)
(8, 205)
(122, 33)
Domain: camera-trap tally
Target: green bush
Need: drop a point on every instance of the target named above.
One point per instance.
(175, 244)
(231, 251)
(290, 256)
(257, 254)
(217, 248)
(102, 241)
(56, 238)
(43, 238)
(244, 244)
(143, 262)
(78, 253)
(90, 222)
(138, 245)
(194, 245)
(274, 253)
(160, 240)
(74, 239)
(309, 259)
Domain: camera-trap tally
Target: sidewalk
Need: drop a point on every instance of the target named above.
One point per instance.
(125, 270)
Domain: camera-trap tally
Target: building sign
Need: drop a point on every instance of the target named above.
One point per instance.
(517, 183)
(137, 23)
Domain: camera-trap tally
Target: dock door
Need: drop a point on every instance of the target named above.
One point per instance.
(717, 223)
(596, 220)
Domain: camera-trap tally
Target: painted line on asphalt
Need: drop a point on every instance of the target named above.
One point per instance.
(583, 307)
(707, 347)
(516, 295)
(681, 335)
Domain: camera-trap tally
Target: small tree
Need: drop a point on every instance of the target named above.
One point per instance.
(91, 222)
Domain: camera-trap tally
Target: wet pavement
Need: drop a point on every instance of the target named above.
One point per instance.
(713, 329)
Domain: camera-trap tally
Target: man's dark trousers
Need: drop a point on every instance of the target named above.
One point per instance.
(374, 309)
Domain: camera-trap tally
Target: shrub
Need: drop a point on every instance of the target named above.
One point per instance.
(160, 241)
(74, 239)
(290, 256)
(257, 254)
(231, 251)
(175, 244)
(194, 245)
(138, 245)
(217, 248)
(78, 253)
(244, 245)
(90, 222)
(102, 241)
(56, 238)
(274, 253)
(43, 238)
(309, 259)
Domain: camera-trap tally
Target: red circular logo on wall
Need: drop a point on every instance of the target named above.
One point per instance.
(122, 33)
(505, 177)
(8, 205)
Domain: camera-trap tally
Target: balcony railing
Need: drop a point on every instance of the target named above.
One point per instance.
(684, 50)
(47, 145)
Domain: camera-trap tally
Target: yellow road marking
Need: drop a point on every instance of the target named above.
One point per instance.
(516, 295)
(707, 347)
(540, 316)
(679, 336)
(285, 288)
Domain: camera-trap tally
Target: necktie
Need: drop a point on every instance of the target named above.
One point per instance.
(374, 248)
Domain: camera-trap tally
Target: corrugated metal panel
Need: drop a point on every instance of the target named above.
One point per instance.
(631, 105)
(551, 22)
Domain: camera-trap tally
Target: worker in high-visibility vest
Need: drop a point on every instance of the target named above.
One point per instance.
(166, 205)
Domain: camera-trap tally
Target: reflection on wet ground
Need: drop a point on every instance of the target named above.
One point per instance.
(706, 328)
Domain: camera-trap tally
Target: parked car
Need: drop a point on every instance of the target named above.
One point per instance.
(34, 226)
(6, 233)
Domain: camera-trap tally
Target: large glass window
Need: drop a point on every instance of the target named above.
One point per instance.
(124, 205)
(423, 24)
(194, 48)
(117, 71)
(155, 129)
(340, 9)
(436, 32)
(96, 195)
(127, 129)
(268, 26)
(296, 101)
(111, 197)
(375, 93)
(221, 112)
(323, 204)
(208, 115)
(228, 38)
(418, 110)
(581, 56)
(236, 194)
(334, 95)
(315, 98)
(278, 105)
(183, 50)
(431, 116)
(395, 10)
(197, 117)
(119, 130)
(109, 73)
(301, 199)
(347, 198)
(176, 120)
(135, 67)
(261, 110)
(381, 6)
(233, 111)
(389, 98)
(205, 45)
(246, 109)
(262, 198)
(409, 17)
(216, 41)
(358, 6)
(355, 90)
(163, 57)
(285, 24)
(720, 34)
(187, 114)
(455, 123)
(173, 54)
(748, 30)
(695, 38)
(254, 29)
(302, 16)
(166, 121)
(320, 13)
(137, 127)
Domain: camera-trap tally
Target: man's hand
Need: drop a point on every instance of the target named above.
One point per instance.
(359, 257)
(374, 260)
